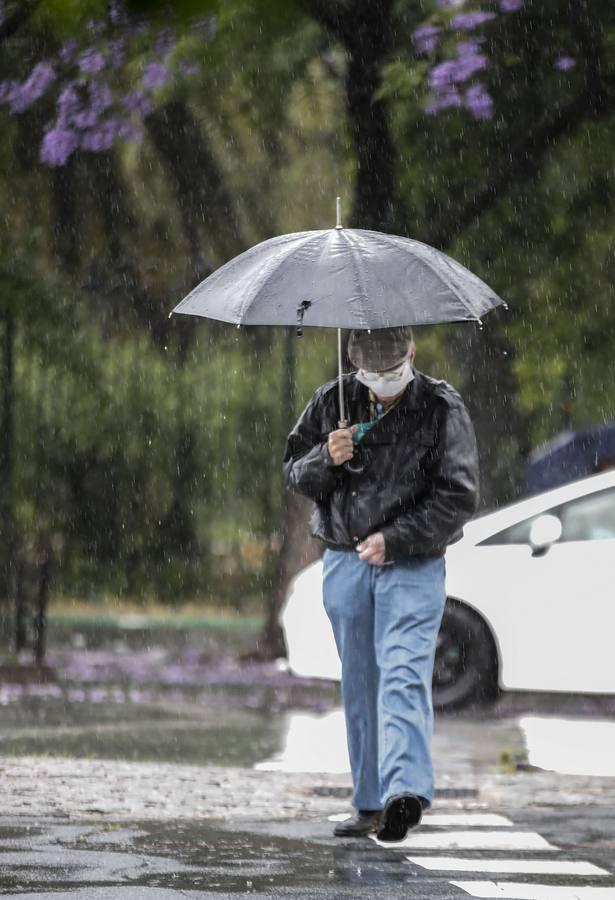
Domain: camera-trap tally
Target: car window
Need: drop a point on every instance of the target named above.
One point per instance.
(590, 518)
(516, 534)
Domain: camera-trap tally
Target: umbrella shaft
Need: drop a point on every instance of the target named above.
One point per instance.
(342, 422)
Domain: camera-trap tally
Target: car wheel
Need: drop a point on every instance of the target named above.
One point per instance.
(465, 666)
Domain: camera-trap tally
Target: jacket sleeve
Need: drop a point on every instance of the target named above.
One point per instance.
(308, 468)
(437, 520)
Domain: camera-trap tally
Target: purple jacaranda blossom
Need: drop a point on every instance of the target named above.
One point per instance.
(155, 75)
(58, 145)
(101, 97)
(137, 102)
(164, 42)
(101, 137)
(33, 87)
(426, 38)
(479, 102)
(449, 97)
(85, 119)
(509, 6)
(67, 51)
(565, 63)
(443, 75)
(8, 89)
(68, 104)
(117, 52)
(468, 61)
(444, 4)
(91, 61)
(471, 20)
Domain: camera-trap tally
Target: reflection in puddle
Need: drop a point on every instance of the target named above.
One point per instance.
(570, 746)
(312, 743)
(316, 742)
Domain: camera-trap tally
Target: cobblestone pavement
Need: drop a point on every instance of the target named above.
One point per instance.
(89, 788)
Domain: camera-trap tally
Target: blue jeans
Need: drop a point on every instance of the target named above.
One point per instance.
(385, 620)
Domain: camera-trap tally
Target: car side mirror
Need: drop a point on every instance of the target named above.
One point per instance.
(545, 530)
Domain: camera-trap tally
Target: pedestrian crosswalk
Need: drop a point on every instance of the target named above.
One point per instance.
(507, 866)
(499, 848)
(512, 891)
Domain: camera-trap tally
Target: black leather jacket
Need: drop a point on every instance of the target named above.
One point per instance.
(419, 478)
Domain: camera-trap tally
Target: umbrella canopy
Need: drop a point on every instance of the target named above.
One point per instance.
(341, 278)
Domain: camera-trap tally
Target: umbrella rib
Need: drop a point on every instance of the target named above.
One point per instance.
(313, 235)
(441, 277)
(357, 265)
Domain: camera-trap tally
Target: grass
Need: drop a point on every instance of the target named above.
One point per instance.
(127, 615)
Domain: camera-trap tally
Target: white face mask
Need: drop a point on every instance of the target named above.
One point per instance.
(387, 384)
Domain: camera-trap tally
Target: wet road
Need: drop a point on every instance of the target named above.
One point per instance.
(144, 778)
(542, 854)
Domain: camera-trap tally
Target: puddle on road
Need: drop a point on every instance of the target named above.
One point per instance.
(178, 704)
(570, 746)
(317, 743)
(312, 743)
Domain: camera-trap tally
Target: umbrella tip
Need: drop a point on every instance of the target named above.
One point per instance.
(170, 314)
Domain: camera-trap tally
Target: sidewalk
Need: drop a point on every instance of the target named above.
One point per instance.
(96, 789)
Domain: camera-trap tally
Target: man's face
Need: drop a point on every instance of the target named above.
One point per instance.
(390, 376)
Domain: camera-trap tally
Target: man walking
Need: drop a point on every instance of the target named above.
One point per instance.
(391, 492)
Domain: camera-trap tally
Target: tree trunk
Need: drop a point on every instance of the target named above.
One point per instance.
(365, 31)
(7, 525)
(368, 43)
(42, 599)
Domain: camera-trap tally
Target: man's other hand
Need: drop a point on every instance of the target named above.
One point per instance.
(339, 445)
(372, 549)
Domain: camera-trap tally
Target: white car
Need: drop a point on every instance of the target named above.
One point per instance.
(531, 602)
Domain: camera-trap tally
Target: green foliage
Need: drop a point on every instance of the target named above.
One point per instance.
(150, 450)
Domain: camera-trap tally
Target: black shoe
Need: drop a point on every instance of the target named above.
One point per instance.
(364, 821)
(401, 813)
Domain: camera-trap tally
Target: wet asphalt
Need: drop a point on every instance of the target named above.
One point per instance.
(214, 859)
(209, 780)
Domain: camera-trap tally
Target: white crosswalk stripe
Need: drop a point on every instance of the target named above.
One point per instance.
(507, 866)
(465, 820)
(444, 820)
(471, 840)
(507, 890)
(472, 831)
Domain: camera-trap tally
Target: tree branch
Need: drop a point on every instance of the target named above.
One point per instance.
(523, 162)
(21, 15)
